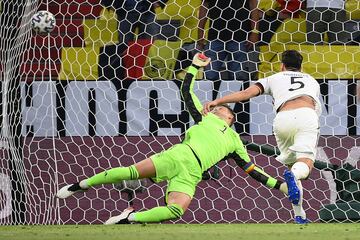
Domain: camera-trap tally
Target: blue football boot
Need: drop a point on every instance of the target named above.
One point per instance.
(293, 189)
(300, 220)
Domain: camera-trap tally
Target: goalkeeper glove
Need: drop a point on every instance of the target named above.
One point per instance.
(200, 60)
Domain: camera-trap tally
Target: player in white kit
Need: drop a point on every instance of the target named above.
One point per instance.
(296, 98)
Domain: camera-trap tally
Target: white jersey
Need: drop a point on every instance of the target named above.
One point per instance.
(287, 85)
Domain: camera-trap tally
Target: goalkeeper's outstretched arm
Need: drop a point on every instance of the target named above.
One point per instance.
(192, 103)
(258, 174)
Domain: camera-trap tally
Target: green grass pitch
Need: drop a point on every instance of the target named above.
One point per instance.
(316, 231)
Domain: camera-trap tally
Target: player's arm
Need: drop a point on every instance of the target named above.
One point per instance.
(239, 96)
(242, 159)
(192, 102)
(258, 174)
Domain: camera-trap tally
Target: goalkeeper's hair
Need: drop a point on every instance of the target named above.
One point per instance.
(231, 111)
(292, 60)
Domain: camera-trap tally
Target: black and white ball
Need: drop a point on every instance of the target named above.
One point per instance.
(43, 22)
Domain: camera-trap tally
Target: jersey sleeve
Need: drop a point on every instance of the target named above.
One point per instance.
(242, 159)
(264, 82)
(192, 102)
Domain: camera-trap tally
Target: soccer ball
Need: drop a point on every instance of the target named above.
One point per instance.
(43, 22)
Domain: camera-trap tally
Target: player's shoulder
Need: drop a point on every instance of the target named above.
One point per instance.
(272, 79)
(278, 76)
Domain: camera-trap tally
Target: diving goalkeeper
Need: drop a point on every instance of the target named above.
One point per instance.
(210, 140)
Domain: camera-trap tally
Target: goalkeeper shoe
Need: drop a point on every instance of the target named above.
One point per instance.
(122, 218)
(300, 220)
(293, 189)
(69, 190)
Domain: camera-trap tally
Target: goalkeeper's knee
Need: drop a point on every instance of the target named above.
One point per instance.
(175, 211)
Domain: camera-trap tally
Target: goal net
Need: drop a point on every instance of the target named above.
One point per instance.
(102, 91)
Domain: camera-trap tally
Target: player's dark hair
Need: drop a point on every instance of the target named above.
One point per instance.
(292, 60)
(231, 111)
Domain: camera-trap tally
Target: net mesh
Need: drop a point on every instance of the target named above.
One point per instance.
(102, 90)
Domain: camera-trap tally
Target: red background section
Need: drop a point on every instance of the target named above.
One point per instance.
(235, 197)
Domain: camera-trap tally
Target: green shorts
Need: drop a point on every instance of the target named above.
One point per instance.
(179, 166)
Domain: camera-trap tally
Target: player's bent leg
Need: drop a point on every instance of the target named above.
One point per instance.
(177, 204)
(293, 189)
(299, 170)
(302, 168)
(300, 215)
(157, 214)
(146, 168)
(178, 198)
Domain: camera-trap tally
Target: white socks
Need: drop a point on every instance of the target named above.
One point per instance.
(298, 209)
(300, 170)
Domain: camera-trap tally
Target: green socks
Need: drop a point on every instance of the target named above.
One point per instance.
(113, 175)
(158, 214)
(116, 175)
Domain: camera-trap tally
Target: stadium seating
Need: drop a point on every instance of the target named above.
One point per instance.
(74, 69)
(97, 32)
(330, 62)
(353, 9)
(291, 31)
(81, 24)
(321, 61)
(102, 32)
(69, 32)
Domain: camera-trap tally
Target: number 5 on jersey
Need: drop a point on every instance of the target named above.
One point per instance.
(294, 81)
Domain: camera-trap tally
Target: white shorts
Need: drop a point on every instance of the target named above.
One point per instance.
(297, 133)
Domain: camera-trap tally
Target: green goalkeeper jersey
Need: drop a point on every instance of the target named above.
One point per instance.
(211, 138)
